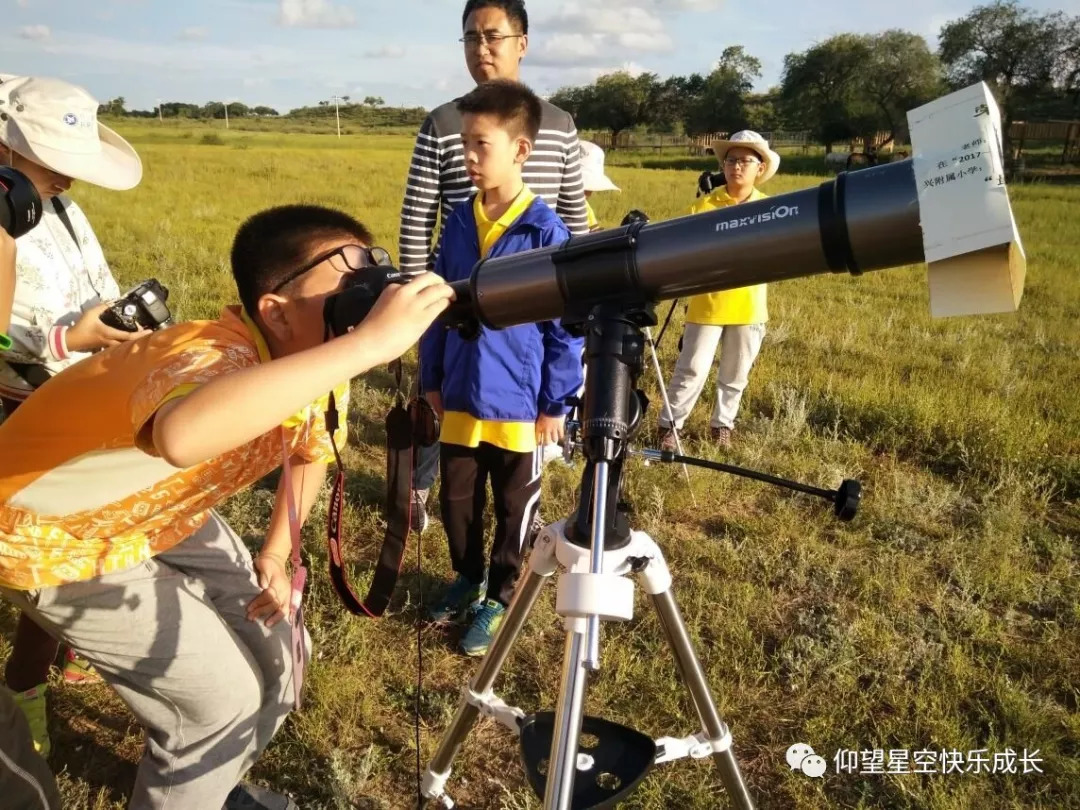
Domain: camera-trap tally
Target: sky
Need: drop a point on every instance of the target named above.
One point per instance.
(290, 53)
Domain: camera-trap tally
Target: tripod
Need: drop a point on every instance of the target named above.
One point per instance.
(576, 762)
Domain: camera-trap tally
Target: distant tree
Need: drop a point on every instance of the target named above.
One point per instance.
(902, 74)
(720, 105)
(264, 111)
(573, 100)
(820, 88)
(374, 101)
(1020, 54)
(114, 106)
(617, 102)
(669, 99)
(761, 111)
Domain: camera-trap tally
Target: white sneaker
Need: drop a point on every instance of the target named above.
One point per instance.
(550, 453)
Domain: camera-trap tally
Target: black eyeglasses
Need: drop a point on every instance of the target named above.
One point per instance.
(354, 256)
(745, 162)
(492, 38)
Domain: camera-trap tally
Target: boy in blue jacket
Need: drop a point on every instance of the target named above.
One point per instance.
(503, 396)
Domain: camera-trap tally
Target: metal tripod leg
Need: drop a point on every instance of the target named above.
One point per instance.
(667, 410)
(438, 771)
(690, 669)
(560, 780)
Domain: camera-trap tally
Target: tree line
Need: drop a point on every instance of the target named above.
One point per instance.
(371, 112)
(854, 85)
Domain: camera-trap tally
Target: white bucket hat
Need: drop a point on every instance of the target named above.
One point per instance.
(748, 139)
(54, 123)
(592, 169)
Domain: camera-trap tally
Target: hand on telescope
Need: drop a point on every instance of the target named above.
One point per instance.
(90, 332)
(550, 429)
(402, 315)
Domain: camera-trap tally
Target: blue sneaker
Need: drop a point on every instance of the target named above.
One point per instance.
(460, 600)
(483, 628)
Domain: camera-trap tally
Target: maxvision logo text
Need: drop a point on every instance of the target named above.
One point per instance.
(780, 212)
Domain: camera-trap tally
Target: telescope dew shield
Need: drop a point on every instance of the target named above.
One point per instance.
(872, 219)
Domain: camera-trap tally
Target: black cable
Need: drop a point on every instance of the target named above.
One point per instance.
(419, 671)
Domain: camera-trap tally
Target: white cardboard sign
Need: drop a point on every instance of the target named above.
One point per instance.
(973, 250)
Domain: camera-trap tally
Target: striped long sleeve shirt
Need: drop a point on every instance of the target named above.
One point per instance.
(438, 180)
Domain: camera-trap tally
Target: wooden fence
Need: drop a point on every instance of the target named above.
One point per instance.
(1047, 134)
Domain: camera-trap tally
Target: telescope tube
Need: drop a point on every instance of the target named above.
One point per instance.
(859, 221)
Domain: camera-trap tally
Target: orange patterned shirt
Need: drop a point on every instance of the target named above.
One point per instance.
(82, 491)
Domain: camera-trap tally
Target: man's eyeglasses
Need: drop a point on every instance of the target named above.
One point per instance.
(745, 162)
(490, 38)
(355, 258)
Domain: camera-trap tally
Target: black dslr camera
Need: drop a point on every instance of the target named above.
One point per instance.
(143, 306)
(709, 181)
(20, 203)
(343, 311)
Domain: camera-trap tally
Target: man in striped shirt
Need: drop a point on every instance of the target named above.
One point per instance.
(495, 35)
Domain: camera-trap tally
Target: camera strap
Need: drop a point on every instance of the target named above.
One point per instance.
(300, 652)
(64, 218)
(399, 458)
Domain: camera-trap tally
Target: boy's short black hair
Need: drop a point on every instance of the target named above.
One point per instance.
(516, 106)
(276, 242)
(514, 10)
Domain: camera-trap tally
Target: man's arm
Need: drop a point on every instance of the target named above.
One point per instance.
(421, 204)
(571, 203)
(234, 409)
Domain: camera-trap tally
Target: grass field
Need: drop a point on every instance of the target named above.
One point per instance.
(945, 617)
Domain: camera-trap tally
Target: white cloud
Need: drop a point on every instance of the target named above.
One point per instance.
(569, 49)
(686, 5)
(315, 14)
(37, 33)
(659, 43)
(194, 33)
(385, 52)
(594, 35)
(623, 19)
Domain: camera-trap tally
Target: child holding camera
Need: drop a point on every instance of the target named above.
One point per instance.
(502, 396)
(108, 534)
(61, 286)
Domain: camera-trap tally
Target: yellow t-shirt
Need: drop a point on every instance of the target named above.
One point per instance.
(83, 493)
(462, 428)
(594, 223)
(729, 307)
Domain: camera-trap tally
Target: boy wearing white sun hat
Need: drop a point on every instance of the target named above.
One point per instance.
(733, 320)
(594, 178)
